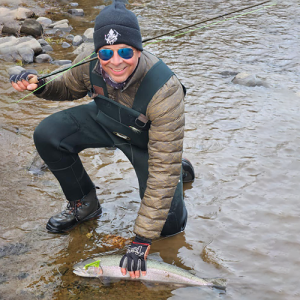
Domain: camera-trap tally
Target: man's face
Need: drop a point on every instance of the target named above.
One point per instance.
(118, 68)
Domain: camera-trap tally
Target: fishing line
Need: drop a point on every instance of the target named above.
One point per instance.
(159, 40)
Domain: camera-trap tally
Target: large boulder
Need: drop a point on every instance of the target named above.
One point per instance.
(31, 27)
(23, 13)
(11, 28)
(88, 35)
(14, 49)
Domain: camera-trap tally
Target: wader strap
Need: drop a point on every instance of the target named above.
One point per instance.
(156, 77)
(97, 81)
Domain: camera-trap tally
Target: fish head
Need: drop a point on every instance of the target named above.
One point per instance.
(88, 268)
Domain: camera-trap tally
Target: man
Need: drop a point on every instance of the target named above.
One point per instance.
(138, 108)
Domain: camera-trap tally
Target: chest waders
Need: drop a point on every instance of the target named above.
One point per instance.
(129, 128)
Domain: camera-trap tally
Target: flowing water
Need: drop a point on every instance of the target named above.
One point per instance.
(243, 141)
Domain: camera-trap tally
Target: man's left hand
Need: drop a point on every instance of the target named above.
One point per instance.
(135, 259)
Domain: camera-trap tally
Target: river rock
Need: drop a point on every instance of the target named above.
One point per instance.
(30, 42)
(42, 42)
(13, 49)
(43, 58)
(249, 80)
(32, 27)
(84, 47)
(27, 54)
(11, 28)
(44, 21)
(88, 35)
(23, 13)
(65, 45)
(73, 4)
(76, 12)
(47, 48)
(70, 37)
(16, 70)
(78, 40)
(62, 62)
(58, 23)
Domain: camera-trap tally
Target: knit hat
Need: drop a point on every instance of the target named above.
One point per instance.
(117, 25)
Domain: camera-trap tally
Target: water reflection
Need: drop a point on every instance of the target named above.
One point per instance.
(244, 143)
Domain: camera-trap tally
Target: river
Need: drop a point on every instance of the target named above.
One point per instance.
(243, 141)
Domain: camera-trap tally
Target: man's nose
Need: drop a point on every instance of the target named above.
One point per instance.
(116, 59)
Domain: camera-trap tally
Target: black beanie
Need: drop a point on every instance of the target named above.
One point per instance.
(117, 25)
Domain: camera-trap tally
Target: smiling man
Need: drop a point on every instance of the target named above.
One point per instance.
(137, 107)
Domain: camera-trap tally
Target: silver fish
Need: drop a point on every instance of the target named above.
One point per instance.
(108, 266)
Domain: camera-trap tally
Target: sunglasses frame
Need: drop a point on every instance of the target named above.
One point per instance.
(113, 51)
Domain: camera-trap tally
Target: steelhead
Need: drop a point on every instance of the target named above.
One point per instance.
(108, 267)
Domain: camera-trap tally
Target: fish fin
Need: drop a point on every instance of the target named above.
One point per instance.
(93, 264)
(218, 283)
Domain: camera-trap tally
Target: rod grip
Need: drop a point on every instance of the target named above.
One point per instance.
(33, 79)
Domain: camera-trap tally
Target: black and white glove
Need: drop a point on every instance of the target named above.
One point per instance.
(135, 257)
(19, 77)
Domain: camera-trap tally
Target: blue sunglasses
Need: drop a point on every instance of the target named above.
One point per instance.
(106, 54)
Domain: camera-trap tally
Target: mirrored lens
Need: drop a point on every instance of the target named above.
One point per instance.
(125, 53)
(106, 54)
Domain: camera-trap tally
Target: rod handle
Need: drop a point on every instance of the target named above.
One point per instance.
(33, 79)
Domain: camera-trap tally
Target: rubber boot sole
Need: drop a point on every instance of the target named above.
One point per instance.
(92, 216)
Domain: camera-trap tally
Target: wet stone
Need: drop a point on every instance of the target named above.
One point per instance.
(13, 249)
(249, 80)
(23, 275)
(43, 58)
(31, 27)
(65, 45)
(11, 28)
(47, 48)
(37, 165)
(15, 70)
(78, 40)
(70, 37)
(44, 21)
(43, 42)
(62, 62)
(76, 12)
(3, 278)
(27, 54)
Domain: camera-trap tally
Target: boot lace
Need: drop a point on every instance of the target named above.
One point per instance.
(72, 208)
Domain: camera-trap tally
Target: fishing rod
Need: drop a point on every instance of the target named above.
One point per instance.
(156, 37)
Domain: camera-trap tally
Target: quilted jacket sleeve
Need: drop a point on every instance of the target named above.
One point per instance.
(73, 84)
(166, 112)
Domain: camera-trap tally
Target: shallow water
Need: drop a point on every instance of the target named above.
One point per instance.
(243, 141)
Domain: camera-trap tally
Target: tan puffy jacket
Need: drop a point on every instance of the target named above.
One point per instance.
(166, 113)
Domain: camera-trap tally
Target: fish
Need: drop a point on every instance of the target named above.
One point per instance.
(107, 266)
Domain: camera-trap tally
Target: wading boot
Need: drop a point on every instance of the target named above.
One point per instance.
(77, 212)
(188, 173)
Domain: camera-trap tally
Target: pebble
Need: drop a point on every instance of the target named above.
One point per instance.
(73, 4)
(62, 62)
(77, 40)
(44, 21)
(249, 80)
(65, 45)
(43, 58)
(15, 70)
(76, 12)
(47, 48)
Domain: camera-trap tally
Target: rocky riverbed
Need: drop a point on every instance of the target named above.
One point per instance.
(29, 37)
(242, 134)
